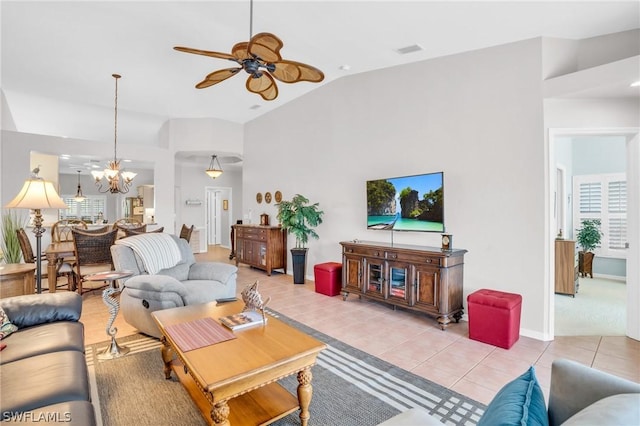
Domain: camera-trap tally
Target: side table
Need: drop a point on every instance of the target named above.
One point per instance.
(17, 279)
(113, 350)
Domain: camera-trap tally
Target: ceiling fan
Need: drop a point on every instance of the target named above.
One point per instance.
(260, 58)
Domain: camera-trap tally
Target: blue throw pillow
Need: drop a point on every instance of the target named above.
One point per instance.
(520, 402)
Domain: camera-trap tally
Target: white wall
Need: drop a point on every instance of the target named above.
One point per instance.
(230, 182)
(476, 116)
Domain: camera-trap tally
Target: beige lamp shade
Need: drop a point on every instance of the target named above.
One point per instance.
(37, 193)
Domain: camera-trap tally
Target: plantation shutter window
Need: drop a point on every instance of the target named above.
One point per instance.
(603, 197)
(92, 209)
(617, 206)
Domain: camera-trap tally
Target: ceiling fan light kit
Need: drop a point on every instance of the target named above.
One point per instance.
(260, 58)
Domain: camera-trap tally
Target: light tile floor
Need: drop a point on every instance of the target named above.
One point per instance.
(409, 340)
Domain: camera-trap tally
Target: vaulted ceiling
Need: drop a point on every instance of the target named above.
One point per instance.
(59, 55)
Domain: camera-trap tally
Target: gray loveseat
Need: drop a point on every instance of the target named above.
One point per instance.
(187, 283)
(43, 372)
(579, 395)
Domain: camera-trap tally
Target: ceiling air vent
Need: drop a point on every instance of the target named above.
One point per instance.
(409, 49)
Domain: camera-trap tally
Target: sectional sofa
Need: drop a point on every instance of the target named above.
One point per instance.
(43, 373)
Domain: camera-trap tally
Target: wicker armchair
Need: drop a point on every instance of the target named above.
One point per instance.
(93, 253)
(137, 231)
(61, 230)
(64, 268)
(96, 231)
(122, 224)
(186, 232)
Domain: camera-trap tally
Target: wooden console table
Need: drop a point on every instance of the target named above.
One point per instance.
(17, 279)
(263, 247)
(424, 279)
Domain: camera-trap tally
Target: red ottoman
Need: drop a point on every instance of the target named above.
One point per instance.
(328, 278)
(494, 317)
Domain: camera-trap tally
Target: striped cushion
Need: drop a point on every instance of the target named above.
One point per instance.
(157, 251)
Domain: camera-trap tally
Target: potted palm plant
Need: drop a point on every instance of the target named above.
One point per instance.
(298, 217)
(588, 237)
(9, 244)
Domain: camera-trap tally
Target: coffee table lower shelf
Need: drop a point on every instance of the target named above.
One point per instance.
(261, 406)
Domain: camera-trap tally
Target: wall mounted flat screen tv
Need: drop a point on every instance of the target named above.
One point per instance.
(408, 203)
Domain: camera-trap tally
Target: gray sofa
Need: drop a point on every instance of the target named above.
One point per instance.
(43, 372)
(187, 283)
(579, 395)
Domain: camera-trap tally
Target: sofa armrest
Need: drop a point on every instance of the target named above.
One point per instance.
(575, 386)
(215, 271)
(156, 284)
(34, 309)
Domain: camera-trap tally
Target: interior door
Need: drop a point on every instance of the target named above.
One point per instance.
(213, 217)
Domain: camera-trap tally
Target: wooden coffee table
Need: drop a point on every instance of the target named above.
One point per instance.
(235, 382)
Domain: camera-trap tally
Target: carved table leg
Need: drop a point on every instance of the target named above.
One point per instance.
(167, 357)
(52, 263)
(305, 391)
(220, 414)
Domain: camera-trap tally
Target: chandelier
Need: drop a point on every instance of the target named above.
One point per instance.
(212, 171)
(79, 197)
(119, 181)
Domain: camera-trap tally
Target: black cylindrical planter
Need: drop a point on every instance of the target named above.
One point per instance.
(299, 260)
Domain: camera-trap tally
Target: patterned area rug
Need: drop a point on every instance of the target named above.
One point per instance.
(350, 387)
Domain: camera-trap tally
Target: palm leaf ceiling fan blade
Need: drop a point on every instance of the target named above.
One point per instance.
(260, 58)
(206, 53)
(266, 46)
(241, 51)
(293, 72)
(264, 86)
(216, 77)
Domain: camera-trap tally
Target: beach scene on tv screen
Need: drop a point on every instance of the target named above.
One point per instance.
(410, 203)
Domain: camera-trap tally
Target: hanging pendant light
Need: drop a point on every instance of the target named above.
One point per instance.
(119, 181)
(79, 197)
(212, 171)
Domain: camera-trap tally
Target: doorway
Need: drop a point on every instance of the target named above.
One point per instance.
(218, 211)
(630, 151)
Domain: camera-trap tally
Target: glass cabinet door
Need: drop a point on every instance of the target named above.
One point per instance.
(398, 280)
(375, 278)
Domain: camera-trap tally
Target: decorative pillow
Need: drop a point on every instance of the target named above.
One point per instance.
(520, 402)
(6, 328)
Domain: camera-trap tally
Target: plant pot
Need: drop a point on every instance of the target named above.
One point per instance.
(585, 263)
(299, 260)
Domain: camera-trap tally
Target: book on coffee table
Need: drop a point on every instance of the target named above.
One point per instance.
(243, 320)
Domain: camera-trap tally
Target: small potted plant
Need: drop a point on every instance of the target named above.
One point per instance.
(588, 237)
(298, 217)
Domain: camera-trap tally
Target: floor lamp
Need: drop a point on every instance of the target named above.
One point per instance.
(37, 194)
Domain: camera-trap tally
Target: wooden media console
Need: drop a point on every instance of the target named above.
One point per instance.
(424, 279)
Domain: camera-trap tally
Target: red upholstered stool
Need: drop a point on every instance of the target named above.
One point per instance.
(328, 278)
(494, 317)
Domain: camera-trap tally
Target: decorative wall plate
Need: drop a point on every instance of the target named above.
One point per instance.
(267, 197)
(259, 197)
(278, 196)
